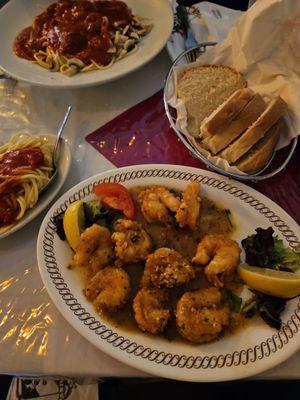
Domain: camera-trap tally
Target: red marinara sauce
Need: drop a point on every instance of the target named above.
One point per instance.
(30, 157)
(75, 28)
(8, 212)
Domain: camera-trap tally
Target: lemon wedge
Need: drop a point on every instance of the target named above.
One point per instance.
(74, 222)
(269, 281)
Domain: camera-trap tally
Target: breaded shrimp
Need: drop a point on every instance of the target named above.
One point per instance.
(169, 199)
(150, 310)
(109, 289)
(132, 242)
(189, 209)
(200, 317)
(167, 268)
(94, 250)
(221, 256)
(156, 202)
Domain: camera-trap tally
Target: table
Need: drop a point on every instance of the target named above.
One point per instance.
(35, 339)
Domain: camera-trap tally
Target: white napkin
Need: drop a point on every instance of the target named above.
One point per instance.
(208, 21)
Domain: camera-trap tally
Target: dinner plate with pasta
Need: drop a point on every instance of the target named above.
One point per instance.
(73, 43)
(176, 271)
(25, 169)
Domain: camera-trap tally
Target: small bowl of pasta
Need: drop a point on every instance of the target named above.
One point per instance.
(25, 168)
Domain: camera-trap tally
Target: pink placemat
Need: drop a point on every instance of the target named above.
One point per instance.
(142, 135)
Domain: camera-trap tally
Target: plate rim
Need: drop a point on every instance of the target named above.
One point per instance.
(127, 358)
(53, 189)
(62, 85)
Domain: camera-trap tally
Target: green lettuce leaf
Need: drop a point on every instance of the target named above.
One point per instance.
(284, 257)
(234, 300)
(265, 250)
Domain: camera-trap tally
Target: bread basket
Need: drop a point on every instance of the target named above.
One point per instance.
(279, 159)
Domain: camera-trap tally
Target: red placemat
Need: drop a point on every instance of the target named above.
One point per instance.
(142, 135)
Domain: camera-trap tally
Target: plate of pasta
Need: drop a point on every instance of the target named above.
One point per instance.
(176, 271)
(81, 42)
(25, 169)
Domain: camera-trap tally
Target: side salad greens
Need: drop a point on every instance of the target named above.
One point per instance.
(267, 251)
(269, 308)
(113, 201)
(94, 213)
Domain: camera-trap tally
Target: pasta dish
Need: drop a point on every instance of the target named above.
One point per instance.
(25, 168)
(74, 36)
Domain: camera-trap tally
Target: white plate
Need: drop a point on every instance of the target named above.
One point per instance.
(244, 353)
(46, 197)
(17, 14)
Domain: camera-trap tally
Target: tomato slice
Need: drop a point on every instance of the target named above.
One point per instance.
(116, 196)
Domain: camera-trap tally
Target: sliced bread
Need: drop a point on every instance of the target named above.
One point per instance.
(202, 89)
(234, 127)
(255, 132)
(221, 118)
(261, 153)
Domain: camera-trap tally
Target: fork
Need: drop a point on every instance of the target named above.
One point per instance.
(190, 39)
(55, 152)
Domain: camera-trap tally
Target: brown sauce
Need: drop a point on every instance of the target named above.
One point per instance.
(74, 29)
(213, 219)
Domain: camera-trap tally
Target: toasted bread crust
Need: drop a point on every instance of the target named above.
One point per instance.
(256, 131)
(222, 117)
(259, 156)
(253, 109)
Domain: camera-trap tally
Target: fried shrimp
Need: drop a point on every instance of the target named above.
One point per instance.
(94, 250)
(221, 256)
(109, 289)
(200, 317)
(189, 208)
(156, 204)
(167, 268)
(150, 310)
(132, 242)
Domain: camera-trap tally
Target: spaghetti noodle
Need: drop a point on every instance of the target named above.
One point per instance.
(25, 168)
(74, 36)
